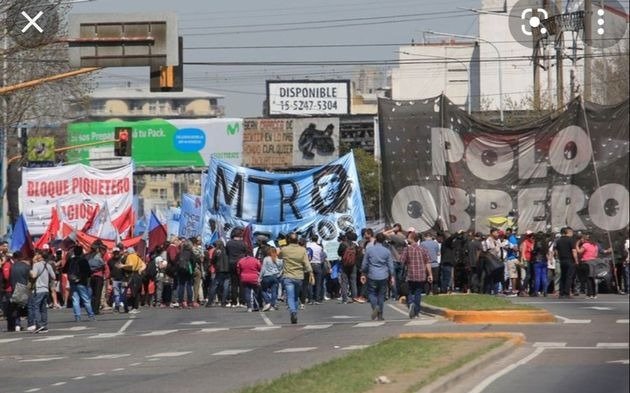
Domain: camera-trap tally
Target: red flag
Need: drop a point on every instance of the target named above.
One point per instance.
(51, 232)
(248, 237)
(90, 222)
(124, 223)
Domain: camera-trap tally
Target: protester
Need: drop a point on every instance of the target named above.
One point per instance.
(119, 282)
(296, 265)
(540, 251)
(235, 249)
(433, 249)
(43, 274)
(248, 269)
(221, 264)
(270, 275)
(418, 262)
(78, 270)
(318, 257)
(568, 256)
(134, 265)
(377, 270)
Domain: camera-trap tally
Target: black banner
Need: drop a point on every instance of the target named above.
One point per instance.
(570, 168)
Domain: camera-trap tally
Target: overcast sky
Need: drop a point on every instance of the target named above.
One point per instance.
(205, 23)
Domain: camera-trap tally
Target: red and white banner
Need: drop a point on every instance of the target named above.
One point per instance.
(78, 190)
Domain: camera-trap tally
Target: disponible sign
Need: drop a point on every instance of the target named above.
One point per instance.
(280, 143)
(77, 190)
(308, 97)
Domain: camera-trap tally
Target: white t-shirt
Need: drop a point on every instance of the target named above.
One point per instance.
(318, 252)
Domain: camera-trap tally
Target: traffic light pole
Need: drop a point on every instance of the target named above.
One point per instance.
(62, 149)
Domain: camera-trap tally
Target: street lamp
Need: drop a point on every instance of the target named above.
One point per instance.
(498, 57)
(448, 58)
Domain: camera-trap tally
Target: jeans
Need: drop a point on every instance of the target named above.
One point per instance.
(38, 309)
(81, 293)
(376, 293)
(184, 279)
(223, 280)
(269, 287)
(446, 275)
(540, 277)
(415, 293)
(250, 294)
(96, 285)
(398, 269)
(348, 283)
(626, 277)
(316, 292)
(118, 293)
(292, 287)
(567, 271)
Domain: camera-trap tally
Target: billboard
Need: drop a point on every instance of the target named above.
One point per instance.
(307, 97)
(281, 143)
(77, 190)
(163, 142)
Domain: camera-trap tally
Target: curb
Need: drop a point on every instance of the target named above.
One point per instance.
(508, 317)
(446, 382)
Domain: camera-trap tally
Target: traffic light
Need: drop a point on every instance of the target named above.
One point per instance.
(122, 146)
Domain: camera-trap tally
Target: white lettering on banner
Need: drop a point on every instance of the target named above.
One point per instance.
(528, 166)
(532, 209)
(570, 151)
(566, 202)
(415, 205)
(608, 207)
(489, 160)
(458, 201)
(490, 203)
(446, 146)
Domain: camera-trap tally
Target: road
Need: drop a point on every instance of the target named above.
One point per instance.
(219, 350)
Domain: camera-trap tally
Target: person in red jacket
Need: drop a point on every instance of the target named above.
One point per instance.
(248, 270)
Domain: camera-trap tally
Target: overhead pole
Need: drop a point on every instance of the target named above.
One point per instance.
(559, 44)
(588, 37)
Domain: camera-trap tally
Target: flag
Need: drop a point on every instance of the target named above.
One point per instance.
(90, 221)
(103, 228)
(52, 232)
(157, 232)
(124, 223)
(248, 237)
(21, 240)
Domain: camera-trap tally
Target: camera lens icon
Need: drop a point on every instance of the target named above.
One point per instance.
(527, 21)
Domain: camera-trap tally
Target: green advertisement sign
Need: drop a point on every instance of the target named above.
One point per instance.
(160, 142)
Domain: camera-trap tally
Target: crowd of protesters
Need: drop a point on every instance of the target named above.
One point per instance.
(392, 264)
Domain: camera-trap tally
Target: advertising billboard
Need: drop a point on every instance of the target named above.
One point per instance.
(307, 97)
(164, 142)
(270, 143)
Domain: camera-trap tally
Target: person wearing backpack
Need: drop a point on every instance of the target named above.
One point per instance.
(78, 270)
(377, 270)
(19, 277)
(349, 252)
(185, 269)
(99, 270)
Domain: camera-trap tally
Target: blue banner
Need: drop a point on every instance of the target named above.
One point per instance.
(190, 217)
(325, 201)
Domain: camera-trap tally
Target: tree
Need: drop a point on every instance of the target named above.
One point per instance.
(610, 76)
(369, 177)
(43, 106)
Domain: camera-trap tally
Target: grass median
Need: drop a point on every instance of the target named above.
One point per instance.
(409, 363)
(474, 302)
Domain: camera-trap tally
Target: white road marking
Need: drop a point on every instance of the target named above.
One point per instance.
(8, 340)
(612, 345)
(265, 328)
(80, 377)
(623, 361)
(73, 329)
(135, 364)
(343, 317)
(229, 352)
(295, 350)
(125, 326)
(490, 379)
(405, 313)
(196, 323)
(42, 359)
(214, 330)
(153, 360)
(370, 324)
(158, 333)
(266, 319)
(574, 321)
(599, 308)
(32, 390)
(106, 335)
(53, 338)
(59, 383)
(421, 322)
(622, 320)
(354, 347)
(118, 369)
(169, 354)
(109, 356)
(317, 327)
(548, 344)
(98, 374)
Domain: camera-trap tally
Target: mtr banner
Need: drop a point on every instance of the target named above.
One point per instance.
(570, 168)
(77, 190)
(161, 142)
(324, 200)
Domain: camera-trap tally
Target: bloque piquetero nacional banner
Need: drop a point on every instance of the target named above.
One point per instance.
(190, 216)
(162, 142)
(570, 168)
(325, 200)
(77, 190)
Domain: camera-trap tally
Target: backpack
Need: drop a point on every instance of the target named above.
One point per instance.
(350, 256)
(151, 271)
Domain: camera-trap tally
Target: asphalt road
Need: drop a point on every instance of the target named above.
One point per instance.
(218, 350)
